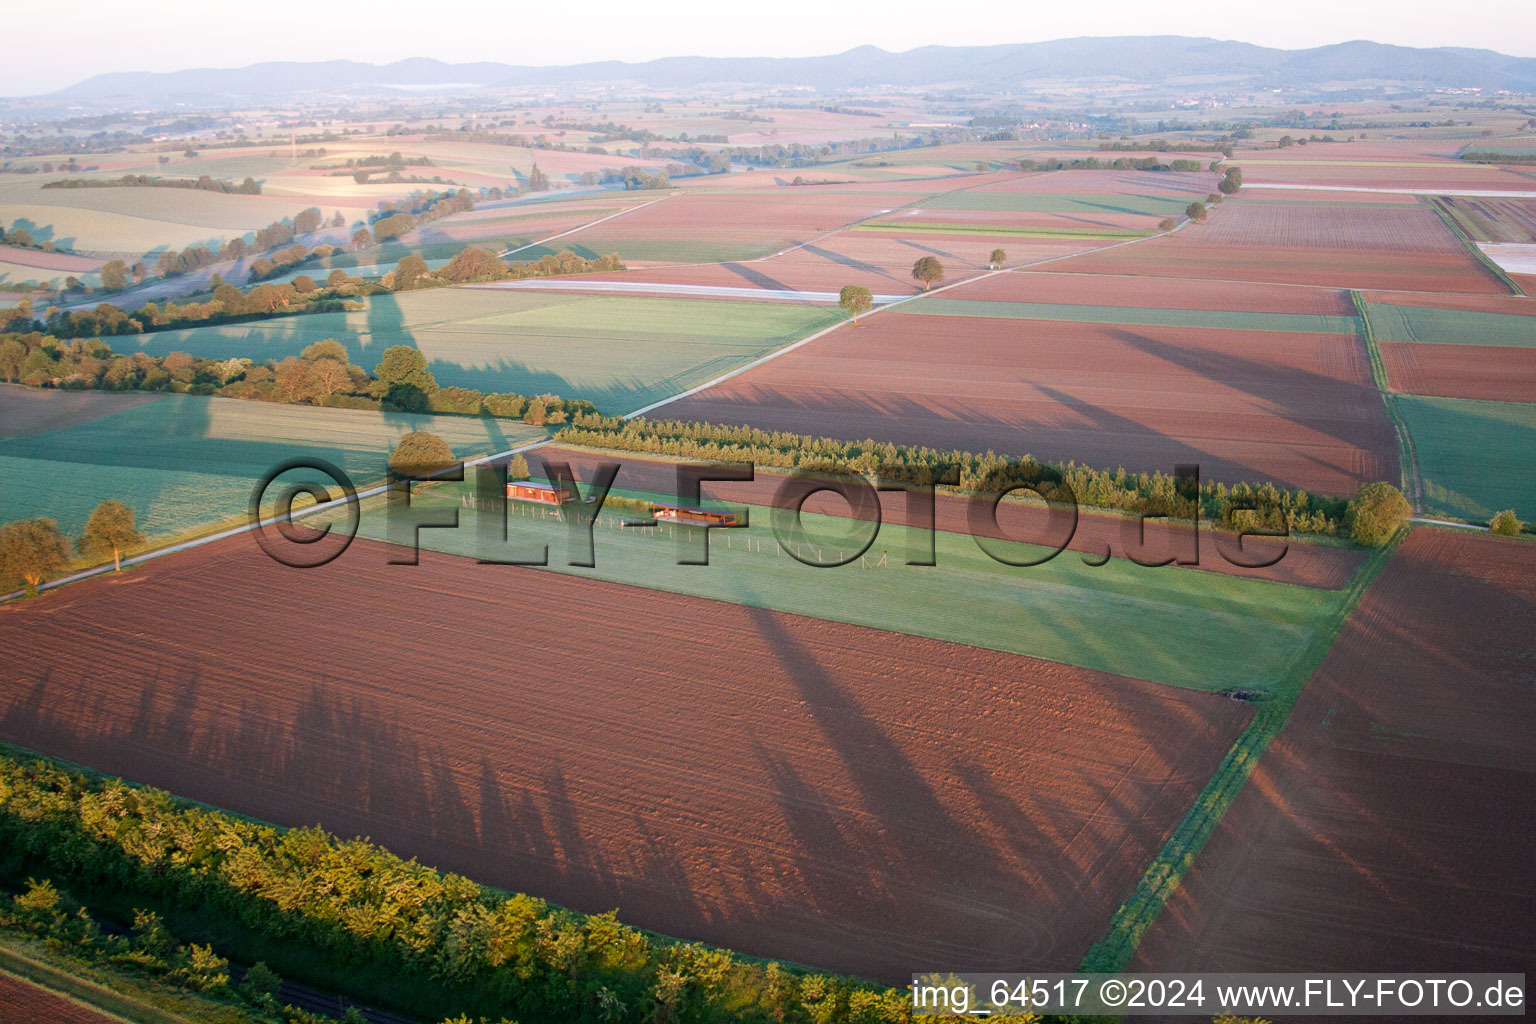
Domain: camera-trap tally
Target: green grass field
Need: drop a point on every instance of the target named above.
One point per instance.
(1451, 326)
(184, 461)
(1303, 323)
(1187, 628)
(620, 352)
(1080, 203)
(1475, 457)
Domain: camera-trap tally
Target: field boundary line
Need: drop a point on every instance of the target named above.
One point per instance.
(1407, 455)
(589, 224)
(1162, 877)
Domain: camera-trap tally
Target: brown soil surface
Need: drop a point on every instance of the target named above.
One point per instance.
(1390, 827)
(1496, 373)
(1297, 409)
(1308, 565)
(1382, 247)
(825, 793)
(22, 1002)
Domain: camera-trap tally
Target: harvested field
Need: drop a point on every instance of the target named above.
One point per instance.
(25, 411)
(1298, 409)
(1462, 371)
(1157, 293)
(838, 796)
(1475, 457)
(1390, 825)
(22, 1002)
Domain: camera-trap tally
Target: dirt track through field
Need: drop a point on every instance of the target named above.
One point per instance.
(840, 796)
(1390, 827)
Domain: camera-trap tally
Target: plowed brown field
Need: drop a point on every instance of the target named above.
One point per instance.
(839, 796)
(1298, 409)
(22, 1002)
(1497, 373)
(1384, 247)
(1390, 827)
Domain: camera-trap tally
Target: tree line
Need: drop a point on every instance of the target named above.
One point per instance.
(204, 183)
(1261, 506)
(322, 374)
(303, 294)
(348, 915)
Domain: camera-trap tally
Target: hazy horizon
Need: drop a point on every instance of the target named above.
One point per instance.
(157, 36)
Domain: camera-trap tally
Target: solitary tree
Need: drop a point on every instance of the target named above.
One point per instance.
(110, 529)
(1195, 211)
(420, 453)
(928, 270)
(1231, 181)
(1167, 224)
(31, 550)
(362, 238)
(114, 275)
(856, 299)
(1375, 514)
(406, 379)
(517, 468)
(1505, 524)
(997, 259)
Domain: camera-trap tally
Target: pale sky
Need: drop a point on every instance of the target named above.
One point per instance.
(54, 45)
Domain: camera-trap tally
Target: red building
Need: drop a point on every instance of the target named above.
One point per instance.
(544, 494)
(702, 516)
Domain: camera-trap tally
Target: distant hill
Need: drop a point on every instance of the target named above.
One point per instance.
(1154, 60)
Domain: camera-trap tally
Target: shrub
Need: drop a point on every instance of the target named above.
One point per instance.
(1376, 512)
(1505, 524)
(419, 453)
